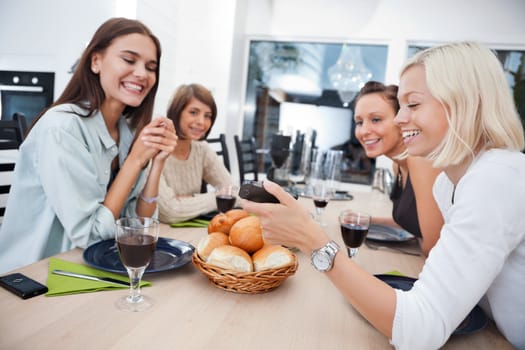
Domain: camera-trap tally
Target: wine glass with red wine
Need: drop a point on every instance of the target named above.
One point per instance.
(225, 197)
(136, 241)
(322, 192)
(354, 228)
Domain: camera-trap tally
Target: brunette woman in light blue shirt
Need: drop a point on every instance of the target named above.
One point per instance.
(83, 162)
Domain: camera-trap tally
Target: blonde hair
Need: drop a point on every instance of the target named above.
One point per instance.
(468, 80)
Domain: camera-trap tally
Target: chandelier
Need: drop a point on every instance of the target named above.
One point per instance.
(349, 73)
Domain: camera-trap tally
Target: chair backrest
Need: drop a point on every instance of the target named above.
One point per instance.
(5, 181)
(247, 158)
(222, 150)
(219, 145)
(22, 123)
(12, 132)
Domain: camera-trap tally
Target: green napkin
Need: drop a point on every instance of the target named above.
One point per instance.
(394, 273)
(64, 285)
(191, 223)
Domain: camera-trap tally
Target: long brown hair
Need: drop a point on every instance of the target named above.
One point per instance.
(180, 100)
(84, 88)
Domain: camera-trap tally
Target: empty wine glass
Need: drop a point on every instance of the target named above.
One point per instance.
(354, 228)
(136, 241)
(322, 192)
(225, 197)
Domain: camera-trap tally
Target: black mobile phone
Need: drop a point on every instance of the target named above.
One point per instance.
(255, 192)
(22, 285)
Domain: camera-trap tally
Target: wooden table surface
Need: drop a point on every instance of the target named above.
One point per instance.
(305, 312)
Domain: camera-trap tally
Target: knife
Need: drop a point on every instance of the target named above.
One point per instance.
(92, 278)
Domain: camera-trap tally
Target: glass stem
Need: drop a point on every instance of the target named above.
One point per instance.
(135, 275)
(318, 214)
(351, 251)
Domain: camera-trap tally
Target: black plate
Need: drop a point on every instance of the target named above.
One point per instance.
(170, 254)
(208, 216)
(384, 233)
(476, 320)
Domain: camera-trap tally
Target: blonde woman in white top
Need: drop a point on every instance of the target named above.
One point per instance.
(457, 110)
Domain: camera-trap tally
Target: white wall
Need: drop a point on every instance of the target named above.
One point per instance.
(205, 40)
(196, 44)
(498, 23)
(48, 35)
(197, 38)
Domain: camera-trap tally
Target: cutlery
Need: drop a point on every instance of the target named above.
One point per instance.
(92, 278)
(374, 246)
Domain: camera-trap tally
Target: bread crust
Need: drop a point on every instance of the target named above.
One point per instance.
(210, 242)
(247, 234)
(220, 223)
(231, 258)
(272, 256)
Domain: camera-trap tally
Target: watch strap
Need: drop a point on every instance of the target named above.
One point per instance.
(330, 249)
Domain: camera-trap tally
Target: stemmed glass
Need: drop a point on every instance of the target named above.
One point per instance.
(136, 241)
(322, 192)
(354, 228)
(225, 197)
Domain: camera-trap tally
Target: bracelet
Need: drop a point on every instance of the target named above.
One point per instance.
(149, 200)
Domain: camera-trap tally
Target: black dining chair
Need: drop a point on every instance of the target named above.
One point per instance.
(221, 149)
(12, 132)
(219, 145)
(5, 169)
(247, 158)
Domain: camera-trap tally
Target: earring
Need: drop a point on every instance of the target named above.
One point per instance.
(95, 70)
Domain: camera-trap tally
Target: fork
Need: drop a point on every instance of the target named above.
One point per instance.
(374, 246)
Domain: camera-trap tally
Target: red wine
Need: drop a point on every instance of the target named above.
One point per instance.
(320, 203)
(136, 251)
(225, 202)
(353, 235)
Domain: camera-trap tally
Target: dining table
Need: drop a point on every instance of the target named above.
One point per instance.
(305, 312)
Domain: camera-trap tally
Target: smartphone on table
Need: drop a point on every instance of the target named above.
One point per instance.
(22, 286)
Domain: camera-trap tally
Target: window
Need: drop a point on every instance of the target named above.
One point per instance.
(513, 62)
(292, 88)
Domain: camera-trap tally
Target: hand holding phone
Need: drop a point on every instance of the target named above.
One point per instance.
(22, 286)
(255, 192)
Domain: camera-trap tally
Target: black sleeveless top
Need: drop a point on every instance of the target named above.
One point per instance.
(404, 210)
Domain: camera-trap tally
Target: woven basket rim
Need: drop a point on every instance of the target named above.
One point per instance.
(245, 282)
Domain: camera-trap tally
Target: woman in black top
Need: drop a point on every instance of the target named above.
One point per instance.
(414, 208)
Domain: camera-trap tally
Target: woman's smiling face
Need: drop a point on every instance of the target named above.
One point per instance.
(375, 128)
(195, 119)
(422, 118)
(127, 69)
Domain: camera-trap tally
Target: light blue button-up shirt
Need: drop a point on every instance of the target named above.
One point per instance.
(60, 182)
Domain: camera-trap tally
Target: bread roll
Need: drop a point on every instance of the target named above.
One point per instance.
(272, 256)
(210, 242)
(247, 234)
(220, 223)
(237, 214)
(231, 258)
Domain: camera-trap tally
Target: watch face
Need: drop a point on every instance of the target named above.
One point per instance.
(321, 260)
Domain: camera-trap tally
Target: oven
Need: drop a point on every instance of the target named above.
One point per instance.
(25, 92)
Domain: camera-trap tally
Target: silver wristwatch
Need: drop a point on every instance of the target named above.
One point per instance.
(323, 258)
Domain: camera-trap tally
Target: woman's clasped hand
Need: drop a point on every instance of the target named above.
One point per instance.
(158, 140)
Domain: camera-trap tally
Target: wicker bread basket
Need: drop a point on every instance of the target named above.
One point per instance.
(245, 282)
